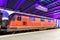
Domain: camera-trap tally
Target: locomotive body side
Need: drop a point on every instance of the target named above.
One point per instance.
(28, 23)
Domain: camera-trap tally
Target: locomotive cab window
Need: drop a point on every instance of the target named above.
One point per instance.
(19, 18)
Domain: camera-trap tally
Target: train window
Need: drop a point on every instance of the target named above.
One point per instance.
(49, 20)
(52, 20)
(42, 19)
(32, 18)
(19, 18)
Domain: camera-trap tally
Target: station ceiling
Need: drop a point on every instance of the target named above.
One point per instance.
(28, 6)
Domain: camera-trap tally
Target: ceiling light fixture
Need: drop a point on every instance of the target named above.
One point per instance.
(42, 8)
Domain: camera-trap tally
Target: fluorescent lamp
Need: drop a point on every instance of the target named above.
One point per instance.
(39, 7)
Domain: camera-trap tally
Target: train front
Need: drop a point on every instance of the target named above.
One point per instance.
(3, 20)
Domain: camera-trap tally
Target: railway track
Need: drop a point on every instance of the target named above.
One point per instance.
(24, 31)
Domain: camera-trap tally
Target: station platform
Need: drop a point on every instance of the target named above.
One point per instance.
(53, 34)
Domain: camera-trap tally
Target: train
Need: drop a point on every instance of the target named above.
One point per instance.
(20, 22)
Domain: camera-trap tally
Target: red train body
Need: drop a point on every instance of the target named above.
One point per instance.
(23, 22)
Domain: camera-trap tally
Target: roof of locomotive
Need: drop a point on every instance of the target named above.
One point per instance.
(22, 15)
(27, 15)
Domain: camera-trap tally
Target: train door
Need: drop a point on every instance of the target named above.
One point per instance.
(42, 22)
(19, 21)
(31, 21)
(12, 22)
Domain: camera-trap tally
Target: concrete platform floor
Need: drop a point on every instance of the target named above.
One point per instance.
(39, 35)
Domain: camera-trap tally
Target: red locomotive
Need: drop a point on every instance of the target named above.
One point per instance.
(25, 22)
